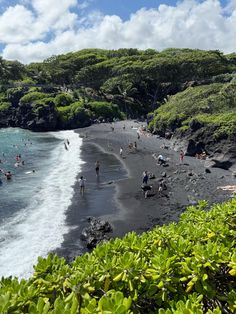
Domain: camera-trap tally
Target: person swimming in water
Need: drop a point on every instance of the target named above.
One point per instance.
(8, 175)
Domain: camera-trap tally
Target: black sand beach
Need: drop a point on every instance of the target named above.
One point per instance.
(117, 196)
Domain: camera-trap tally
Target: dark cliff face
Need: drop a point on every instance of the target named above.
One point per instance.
(42, 119)
(7, 118)
(221, 152)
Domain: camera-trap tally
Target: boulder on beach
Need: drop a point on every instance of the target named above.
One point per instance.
(96, 232)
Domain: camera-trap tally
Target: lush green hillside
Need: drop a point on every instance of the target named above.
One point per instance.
(189, 267)
(126, 82)
(208, 106)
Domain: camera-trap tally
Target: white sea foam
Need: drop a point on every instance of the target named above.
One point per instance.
(40, 227)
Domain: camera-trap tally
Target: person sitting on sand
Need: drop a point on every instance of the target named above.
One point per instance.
(203, 155)
(162, 186)
(146, 189)
(161, 160)
(121, 152)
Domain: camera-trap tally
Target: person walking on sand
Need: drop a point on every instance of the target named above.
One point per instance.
(181, 156)
(97, 167)
(82, 185)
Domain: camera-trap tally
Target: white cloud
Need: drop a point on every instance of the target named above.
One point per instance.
(24, 24)
(190, 23)
(15, 25)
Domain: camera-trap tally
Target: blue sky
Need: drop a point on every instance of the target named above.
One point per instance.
(32, 30)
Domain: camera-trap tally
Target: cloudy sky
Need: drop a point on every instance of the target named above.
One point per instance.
(33, 30)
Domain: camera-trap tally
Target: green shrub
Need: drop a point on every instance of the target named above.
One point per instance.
(4, 106)
(185, 267)
(104, 109)
(40, 104)
(74, 116)
(63, 100)
(32, 96)
(213, 104)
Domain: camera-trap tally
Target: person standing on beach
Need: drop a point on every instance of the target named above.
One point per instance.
(121, 152)
(82, 185)
(145, 177)
(97, 167)
(181, 156)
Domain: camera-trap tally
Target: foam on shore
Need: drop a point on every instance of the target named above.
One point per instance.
(37, 229)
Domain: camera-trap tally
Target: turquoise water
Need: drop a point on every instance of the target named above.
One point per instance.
(33, 147)
(33, 204)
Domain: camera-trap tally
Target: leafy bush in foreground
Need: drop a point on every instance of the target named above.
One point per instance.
(189, 267)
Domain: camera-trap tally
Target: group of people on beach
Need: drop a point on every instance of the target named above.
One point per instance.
(82, 179)
(149, 188)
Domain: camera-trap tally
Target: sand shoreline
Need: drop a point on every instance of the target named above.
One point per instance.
(186, 183)
(118, 198)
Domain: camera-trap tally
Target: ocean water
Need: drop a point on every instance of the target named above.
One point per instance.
(33, 204)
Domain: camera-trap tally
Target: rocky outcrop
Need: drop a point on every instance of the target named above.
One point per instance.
(96, 232)
(7, 118)
(221, 153)
(43, 118)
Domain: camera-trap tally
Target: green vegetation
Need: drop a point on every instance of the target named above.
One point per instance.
(208, 105)
(186, 267)
(73, 115)
(104, 109)
(133, 82)
(30, 97)
(4, 106)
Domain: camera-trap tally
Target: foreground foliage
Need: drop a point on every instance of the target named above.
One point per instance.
(189, 267)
